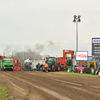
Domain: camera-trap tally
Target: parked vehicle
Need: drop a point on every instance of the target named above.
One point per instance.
(7, 64)
(37, 65)
(51, 64)
(25, 65)
(16, 64)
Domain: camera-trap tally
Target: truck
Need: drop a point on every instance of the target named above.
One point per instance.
(7, 64)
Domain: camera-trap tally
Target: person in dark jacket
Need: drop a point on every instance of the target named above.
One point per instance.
(29, 68)
(91, 65)
(26, 66)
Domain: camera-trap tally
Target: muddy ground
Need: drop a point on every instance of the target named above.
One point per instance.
(37, 85)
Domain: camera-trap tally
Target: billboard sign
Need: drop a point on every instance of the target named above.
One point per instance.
(96, 47)
(81, 55)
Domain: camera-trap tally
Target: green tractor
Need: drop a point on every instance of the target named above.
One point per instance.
(51, 64)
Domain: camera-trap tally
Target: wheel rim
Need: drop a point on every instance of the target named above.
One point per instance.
(58, 67)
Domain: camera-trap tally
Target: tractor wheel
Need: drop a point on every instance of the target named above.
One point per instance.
(43, 70)
(53, 68)
(58, 67)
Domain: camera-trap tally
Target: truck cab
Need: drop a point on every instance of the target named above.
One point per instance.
(7, 64)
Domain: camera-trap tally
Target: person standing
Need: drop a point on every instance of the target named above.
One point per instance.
(90, 65)
(26, 66)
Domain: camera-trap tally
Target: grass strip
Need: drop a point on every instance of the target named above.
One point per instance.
(3, 92)
(78, 74)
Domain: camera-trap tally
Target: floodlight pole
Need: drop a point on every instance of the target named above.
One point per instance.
(76, 36)
(76, 19)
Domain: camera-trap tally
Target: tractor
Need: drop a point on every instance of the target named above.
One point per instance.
(51, 64)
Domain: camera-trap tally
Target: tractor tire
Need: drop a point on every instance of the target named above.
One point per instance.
(53, 68)
(58, 66)
(43, 70)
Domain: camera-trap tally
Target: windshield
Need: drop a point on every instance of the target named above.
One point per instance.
(51, 59)
(8, 61)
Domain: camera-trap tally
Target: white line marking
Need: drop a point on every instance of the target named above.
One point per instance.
(45, 90)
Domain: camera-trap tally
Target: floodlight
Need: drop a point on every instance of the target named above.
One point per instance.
(74, 16)
(78, 20)
(74, 20)
(79, 16)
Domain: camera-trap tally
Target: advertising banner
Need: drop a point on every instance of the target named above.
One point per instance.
(81, 55)
(96, 47)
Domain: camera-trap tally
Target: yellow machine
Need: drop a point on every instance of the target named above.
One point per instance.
(94, 62)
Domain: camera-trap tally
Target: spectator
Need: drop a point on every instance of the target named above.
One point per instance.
(85, 65)
(26, 66)
(90, 65)
(29, 67)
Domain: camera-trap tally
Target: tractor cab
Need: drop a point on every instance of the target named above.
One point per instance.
(51, 60)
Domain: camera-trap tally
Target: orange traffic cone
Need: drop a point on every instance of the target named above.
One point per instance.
(81, 72)
(46, 71)
(68, 71)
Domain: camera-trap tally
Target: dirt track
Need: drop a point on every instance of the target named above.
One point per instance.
(36, 85)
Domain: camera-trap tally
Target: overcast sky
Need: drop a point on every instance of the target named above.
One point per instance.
(30, 22)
